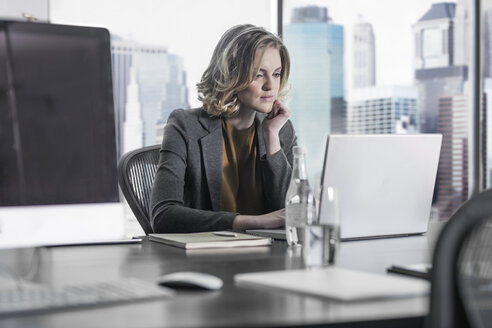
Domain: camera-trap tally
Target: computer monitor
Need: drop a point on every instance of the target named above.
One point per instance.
(57, 130)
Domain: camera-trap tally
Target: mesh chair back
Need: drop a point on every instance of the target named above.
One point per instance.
(461, 280)
(136, 173)
(475, 275)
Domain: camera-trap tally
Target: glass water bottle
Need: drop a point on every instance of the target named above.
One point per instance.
(299, 202)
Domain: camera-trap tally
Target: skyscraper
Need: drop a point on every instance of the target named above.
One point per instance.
(486, 146)
(462, 33)
(132, 128)
(487, 133)
(452, 174)
(316, 99)
(440, 75)
(487, 43)
(161, 82)
(435, 72)
(384, 109)
(364, 66)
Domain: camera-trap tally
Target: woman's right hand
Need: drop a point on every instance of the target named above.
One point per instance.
(270, 220)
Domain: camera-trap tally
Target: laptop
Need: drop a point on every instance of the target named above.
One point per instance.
(384, 184)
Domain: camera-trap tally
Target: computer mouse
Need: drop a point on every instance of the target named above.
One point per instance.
(190, 280)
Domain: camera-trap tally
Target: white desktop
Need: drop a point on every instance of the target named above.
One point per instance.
(58, 151)
(46, 225)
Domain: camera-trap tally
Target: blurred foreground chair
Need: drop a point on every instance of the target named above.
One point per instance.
(136, 173)
(461, 282)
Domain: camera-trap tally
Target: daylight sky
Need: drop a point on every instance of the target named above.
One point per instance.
(191, 28)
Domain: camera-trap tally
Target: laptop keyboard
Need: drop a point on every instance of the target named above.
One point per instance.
(38, 298)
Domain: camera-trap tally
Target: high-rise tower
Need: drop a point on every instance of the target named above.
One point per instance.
(161, 80)
(364, 66)
(317, 80)
(435, 72)
(462, 34)
(132, 129)
(440, 76)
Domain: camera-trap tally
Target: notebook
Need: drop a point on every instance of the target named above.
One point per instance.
(214, 239)
(336, 283)
(384, 183)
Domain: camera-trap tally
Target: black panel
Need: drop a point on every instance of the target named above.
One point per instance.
(57, 131)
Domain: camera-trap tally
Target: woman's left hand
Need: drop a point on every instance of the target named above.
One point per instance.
(276, 119)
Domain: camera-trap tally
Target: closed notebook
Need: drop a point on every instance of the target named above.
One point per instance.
(209, 240)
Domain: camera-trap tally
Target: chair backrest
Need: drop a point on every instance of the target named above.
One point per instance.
(136, 173)
(461, 281)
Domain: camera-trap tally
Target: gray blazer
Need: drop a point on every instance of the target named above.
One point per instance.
(187, 191)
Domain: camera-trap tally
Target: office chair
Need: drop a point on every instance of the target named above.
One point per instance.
(461, 281)
(136, 173)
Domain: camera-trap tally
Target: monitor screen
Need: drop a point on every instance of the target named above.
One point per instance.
(57, 127)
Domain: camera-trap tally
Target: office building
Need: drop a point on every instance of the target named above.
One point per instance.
(133, 127)
(435, 71)
(434, 37)
(364, 66)
(487, 43)
(384, 109)
(432, 83)
(316, 99)
(486, 148)
(452, 175)
(159, 132)
(462, 34)
(440, 76)
(161, 79)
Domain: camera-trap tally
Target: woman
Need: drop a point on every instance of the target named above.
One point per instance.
(227, 165)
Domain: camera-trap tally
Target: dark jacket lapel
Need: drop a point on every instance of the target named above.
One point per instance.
(261, 142)
(211, 146)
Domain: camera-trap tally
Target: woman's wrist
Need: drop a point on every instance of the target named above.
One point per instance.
(244, 222)
(272, 142)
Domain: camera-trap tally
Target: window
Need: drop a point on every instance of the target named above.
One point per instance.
(432, 45)
(358, 66)
(160, 50)
(389, 60)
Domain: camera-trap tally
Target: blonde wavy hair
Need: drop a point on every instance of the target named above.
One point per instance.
(232, 69)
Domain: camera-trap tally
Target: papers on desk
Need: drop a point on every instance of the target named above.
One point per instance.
(209, 239)
(336, 283)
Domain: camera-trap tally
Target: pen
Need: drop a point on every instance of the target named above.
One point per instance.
(225, 233)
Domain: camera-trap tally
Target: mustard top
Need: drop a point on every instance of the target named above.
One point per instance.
(242, 188)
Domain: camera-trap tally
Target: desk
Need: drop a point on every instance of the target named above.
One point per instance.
(232, 306)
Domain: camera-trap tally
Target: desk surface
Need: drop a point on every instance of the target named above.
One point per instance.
(229, 307)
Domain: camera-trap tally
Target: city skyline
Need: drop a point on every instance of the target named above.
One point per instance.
(157, 81)
(156, 23)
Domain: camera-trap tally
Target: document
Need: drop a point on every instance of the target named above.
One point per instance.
(336, 283)
(215, 239)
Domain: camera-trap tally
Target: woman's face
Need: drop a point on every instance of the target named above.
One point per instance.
(262, 92)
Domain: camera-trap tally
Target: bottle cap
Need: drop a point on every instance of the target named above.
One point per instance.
(298, 150)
